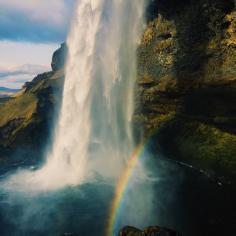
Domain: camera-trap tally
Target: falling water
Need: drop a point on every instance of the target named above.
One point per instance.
(94, 134)
(95, 120)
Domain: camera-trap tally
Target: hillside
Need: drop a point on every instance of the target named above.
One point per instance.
(27, 118)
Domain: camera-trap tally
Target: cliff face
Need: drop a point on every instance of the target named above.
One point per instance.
(187, 82)
(27, 118)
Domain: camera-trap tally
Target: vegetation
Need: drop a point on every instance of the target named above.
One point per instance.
(187, 83)
(26, 120)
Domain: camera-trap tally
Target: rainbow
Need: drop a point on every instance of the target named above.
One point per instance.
(121, 189)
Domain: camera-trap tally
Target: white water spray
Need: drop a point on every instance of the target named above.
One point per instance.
(94, 132)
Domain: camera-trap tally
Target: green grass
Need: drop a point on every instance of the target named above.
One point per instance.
(22, 106)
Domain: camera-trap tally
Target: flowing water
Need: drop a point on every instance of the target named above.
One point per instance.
(95, 120)
(72, 192)
(94, 133)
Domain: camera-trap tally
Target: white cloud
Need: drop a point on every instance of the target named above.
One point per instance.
(20, 62)
(15, 77)
(15, 82)
(27, 69)
(30, 31)
(14, 54)
(35, 20)
(39, 10)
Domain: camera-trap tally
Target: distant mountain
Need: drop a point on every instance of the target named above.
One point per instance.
(8, 90)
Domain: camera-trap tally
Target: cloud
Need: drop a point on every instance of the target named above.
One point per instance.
(15, 77)
(19, 53)
(35, 21)
(16, 80)
(22, 70)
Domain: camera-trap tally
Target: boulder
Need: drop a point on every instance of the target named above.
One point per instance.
(149, 231)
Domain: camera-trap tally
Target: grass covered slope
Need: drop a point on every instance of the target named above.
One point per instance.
(187, 82)
(18, 114)
(27, 118)
(26, 114)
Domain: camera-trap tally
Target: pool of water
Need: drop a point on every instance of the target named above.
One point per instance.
(170, 195)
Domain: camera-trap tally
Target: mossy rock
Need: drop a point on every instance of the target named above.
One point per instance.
(187, 82)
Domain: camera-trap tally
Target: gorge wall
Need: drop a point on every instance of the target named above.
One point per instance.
(187, 83)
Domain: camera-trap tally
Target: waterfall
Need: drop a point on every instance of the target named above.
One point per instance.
(94, 131)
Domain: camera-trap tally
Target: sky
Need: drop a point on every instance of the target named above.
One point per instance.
(30, 31)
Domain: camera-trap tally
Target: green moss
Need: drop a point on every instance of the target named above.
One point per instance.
(187, 78)
(202, 145)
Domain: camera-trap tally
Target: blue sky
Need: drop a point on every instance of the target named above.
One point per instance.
(30, 30)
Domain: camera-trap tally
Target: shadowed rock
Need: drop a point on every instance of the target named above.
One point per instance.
(149, 231)
(187, 83)
(59, 57)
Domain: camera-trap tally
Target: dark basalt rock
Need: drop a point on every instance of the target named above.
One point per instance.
(59, 57)
(149, 231)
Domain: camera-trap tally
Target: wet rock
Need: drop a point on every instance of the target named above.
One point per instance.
(149, 231)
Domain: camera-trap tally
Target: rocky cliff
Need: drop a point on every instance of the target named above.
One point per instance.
(27, 118)
(187, 83)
